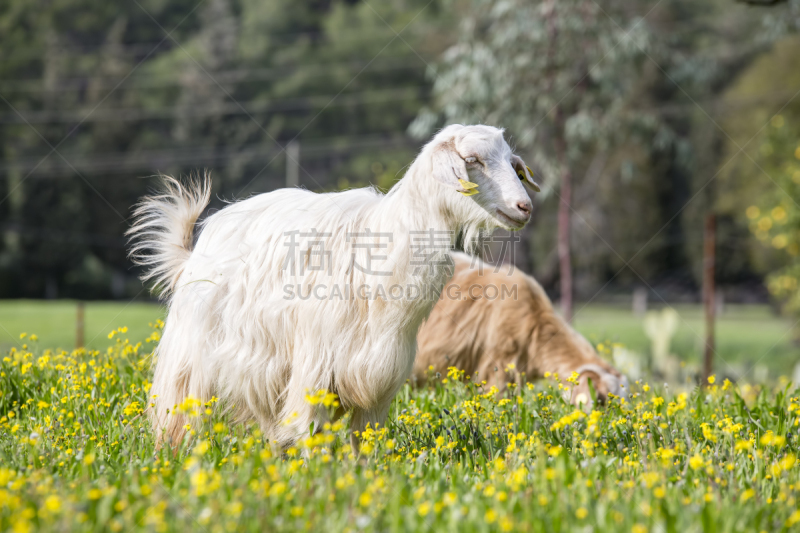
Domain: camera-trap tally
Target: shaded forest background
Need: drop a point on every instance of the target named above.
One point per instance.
(672, 118)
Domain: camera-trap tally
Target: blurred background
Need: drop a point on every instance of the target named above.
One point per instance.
(665, 134)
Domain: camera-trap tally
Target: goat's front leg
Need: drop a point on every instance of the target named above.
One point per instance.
(299, 419)
(363, 417)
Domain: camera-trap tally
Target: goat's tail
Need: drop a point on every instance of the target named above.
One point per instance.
(163, 229)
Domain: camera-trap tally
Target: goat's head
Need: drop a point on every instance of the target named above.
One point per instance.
(605, 381)
(477, 162)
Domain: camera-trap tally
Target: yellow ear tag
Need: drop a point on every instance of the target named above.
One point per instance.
(468, 184)
(471, 192)
(521, 173)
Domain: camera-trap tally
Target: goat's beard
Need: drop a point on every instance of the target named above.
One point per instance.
(473, 238)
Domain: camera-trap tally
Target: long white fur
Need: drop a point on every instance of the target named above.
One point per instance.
(230, 330)
(175, 210)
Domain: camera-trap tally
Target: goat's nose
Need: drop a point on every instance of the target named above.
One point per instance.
(525, 207)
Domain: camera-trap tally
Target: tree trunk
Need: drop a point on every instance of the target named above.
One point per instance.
(564, 217)
(709, 299)
(565, 200)
(564, 255)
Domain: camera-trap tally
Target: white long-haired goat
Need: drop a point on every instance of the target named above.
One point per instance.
(290, 292)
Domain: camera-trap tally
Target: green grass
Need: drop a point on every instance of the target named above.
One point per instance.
(77, 454)
(54, 321)
(746, 335)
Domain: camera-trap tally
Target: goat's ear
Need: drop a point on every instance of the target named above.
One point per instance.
(450, 169)
(524, 172)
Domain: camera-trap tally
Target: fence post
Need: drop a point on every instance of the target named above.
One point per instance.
(639, 301)
(709, 300)
(293, 164)
(79, 327)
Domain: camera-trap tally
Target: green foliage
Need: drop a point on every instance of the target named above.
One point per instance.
(77, 454)
(762, 177)
(181, 86)
(125, 91)
(550, 72)
(775, 221)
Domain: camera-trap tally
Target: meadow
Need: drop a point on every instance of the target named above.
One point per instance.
(747, 335)
(749, 338)
(77, 454)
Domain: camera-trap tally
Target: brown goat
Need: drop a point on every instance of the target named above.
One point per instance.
(485, 321)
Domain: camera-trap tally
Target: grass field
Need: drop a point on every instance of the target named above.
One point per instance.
(77, 454)
(54, 321)
(746, 335)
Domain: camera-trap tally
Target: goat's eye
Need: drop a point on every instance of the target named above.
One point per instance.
(470, 160)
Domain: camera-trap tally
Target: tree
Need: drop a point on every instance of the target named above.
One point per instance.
(554, 73)
(775, 218)
(232, 83)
